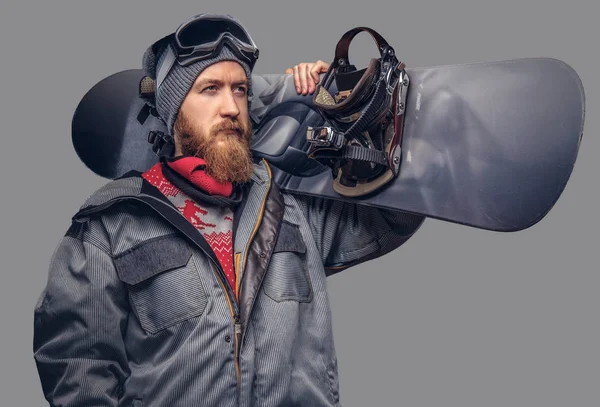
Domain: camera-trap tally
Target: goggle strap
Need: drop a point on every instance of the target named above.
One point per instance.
(165, 67)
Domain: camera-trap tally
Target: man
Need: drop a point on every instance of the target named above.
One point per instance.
(199, 283)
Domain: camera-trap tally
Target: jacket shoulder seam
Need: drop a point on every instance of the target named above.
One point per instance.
(73, 230)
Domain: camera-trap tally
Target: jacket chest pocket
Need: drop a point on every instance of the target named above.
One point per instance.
(287, 278)
(163, 282)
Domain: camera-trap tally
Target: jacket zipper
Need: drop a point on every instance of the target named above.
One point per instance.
(237, 322)
(254, 231)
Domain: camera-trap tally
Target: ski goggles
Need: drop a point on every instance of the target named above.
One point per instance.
(202, 37)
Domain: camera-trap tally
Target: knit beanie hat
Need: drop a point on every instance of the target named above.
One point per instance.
(179, 80)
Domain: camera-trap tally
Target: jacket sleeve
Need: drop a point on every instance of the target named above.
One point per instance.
(79, 322)
(348, 234)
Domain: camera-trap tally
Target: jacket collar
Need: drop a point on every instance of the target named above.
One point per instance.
(132, 186)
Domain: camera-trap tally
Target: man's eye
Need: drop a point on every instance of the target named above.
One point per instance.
(211, 88)
(242, 90)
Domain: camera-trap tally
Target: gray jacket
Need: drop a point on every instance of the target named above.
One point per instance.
(137, 311)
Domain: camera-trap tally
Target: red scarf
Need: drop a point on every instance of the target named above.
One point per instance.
(192, 169)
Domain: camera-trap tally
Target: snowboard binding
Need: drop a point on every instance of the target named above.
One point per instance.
(362, 144)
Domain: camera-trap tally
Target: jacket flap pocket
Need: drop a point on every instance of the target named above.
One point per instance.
(151, 258)
(290, 239)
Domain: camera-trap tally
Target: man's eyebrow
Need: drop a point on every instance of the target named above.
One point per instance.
(219, 82)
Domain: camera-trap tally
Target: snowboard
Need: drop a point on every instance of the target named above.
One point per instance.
(487, 145)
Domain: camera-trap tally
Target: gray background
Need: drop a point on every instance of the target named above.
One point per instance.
(455, 317)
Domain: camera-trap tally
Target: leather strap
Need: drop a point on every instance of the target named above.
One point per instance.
(341, 50)
(342, 47)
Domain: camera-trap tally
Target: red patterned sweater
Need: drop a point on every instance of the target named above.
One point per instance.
(214, 222)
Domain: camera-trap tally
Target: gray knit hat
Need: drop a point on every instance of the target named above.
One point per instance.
(179, 80)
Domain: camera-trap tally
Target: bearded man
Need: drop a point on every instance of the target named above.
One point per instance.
(198, 282)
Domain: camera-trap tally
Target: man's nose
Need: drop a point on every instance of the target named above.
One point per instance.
(229, 107)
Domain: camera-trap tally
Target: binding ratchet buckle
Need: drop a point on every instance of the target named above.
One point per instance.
(324, 137)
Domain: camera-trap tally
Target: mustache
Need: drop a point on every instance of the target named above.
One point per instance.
(229, 125)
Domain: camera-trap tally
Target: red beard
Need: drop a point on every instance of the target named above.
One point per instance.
(226, 149)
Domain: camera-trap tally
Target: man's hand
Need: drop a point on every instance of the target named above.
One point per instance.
(306, 75)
